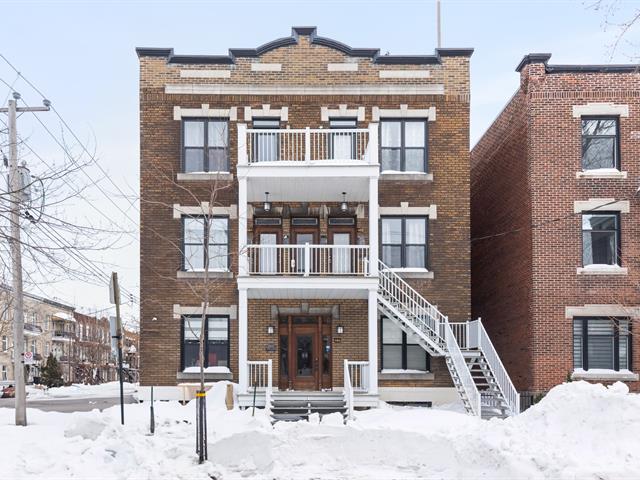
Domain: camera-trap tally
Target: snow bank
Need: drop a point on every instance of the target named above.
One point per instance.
(579, 430)
(109, 389)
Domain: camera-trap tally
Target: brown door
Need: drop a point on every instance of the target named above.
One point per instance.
(266, 260)
(343, 260)
(305, 353)
(302, 235)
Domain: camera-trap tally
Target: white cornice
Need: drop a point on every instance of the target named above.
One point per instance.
(241, 89)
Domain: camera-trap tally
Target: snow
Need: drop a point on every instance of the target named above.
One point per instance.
(207, 370)
(601, 266)
(400, 370)
(64, 316)
(104, 390)
(579, 430)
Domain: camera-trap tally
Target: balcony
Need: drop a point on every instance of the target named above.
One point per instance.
(31, 330)
(291, 164)
(62, 336)
(307, 271)
(308, 260)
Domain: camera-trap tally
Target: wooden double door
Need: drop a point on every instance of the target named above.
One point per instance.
(305, 352)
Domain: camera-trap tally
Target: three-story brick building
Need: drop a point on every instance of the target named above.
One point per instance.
(320, 194)
(555, 225)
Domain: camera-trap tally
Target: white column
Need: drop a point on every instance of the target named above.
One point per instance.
(243, 264)
(373, 226)
(242, 143)
(243, 339)
(373, 143)
(373, 341)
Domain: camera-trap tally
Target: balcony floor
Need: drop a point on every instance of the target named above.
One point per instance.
(280, 287)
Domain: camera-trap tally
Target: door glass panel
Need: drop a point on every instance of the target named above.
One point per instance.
(301, 239)
(268, 258)
(341, 256)
(284, 355)
(326, 354)
(304, 355)
(342, 146)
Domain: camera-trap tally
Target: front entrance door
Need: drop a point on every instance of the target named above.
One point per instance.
(305, 353)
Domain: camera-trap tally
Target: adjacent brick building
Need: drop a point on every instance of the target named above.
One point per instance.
(556, 225)
(306, 160)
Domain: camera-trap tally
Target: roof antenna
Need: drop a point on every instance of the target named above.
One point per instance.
(438, 29)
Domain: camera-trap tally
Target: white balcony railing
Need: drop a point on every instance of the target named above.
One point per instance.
(359, 376)
(307, 145)
(305, 260)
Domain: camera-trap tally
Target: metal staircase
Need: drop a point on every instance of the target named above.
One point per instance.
(478, 374)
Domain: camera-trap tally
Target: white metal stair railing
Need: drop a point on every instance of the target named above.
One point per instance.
(348, 390)
(260, 373)
(484, 344)
(460, 373)
(403, 300)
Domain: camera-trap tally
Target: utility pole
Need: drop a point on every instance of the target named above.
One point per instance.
(438, 27)
(114, 294)
(16, 189)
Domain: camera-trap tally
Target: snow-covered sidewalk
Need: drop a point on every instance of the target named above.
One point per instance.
(104, 390)
(578, 431)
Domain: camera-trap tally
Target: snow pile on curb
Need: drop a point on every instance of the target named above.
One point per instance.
(578, 431)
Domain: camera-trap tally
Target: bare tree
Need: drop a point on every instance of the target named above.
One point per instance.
(621, 17)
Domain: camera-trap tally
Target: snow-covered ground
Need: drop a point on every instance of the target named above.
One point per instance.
(579, 431)
(110, 389)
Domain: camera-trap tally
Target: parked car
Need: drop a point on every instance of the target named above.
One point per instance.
(8, 392)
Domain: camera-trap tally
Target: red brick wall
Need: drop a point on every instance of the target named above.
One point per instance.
(551, 142)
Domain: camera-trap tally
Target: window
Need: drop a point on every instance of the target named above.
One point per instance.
(404, 242)
(602, 343)
(403, 145)
(34, 318)
(343, 144)
(34, 349)
(198, 245)
(46, 349)
(265, 144)
(600, 239)
(400, 352)
(216, 341)
(5, 343)
(205, 145)
(600, 143)
(3, 372)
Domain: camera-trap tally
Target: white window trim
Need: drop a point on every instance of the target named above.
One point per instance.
(205, 73)
(179, 210)
(601, 173)
(205, 112)
(601, 310)
(266, 67)
(604, 375)
(403, 112)
(602, 270)
(404, 209)
(179, 310)
(404, 74)
(415, 272)
(266, 111)
(342, 111)
(603, 204)
(604, 108)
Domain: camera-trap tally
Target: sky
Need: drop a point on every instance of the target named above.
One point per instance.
(80, 55)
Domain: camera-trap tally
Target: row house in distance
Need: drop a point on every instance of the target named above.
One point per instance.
(327, 189)
(92, 350)
(48, 328)
(556, 225)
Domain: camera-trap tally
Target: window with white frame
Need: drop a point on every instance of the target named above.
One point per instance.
(602, 343)
(399, 352)
(3, 372)
(600, 143)
(205, 238)
(5, 343)
(403, 145)
(205, 145)
(216, 341)
(404, 242)
(601, 238)
(265, 143)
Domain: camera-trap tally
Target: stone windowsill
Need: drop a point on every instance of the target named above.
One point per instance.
(604, 375)
(413, 272)
(405, 375)
(205, 176)
(212, 274)
(602, 270)
(402, 176)
(207, 376)
(601, 173)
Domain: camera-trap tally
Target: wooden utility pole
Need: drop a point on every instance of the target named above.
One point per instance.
(17, 189)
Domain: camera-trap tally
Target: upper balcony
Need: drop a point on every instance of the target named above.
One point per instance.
(291, 164)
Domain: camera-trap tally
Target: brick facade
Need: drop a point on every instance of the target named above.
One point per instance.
(526, 238)
(304, 64)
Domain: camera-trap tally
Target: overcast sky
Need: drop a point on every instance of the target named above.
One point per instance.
(80, 54)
